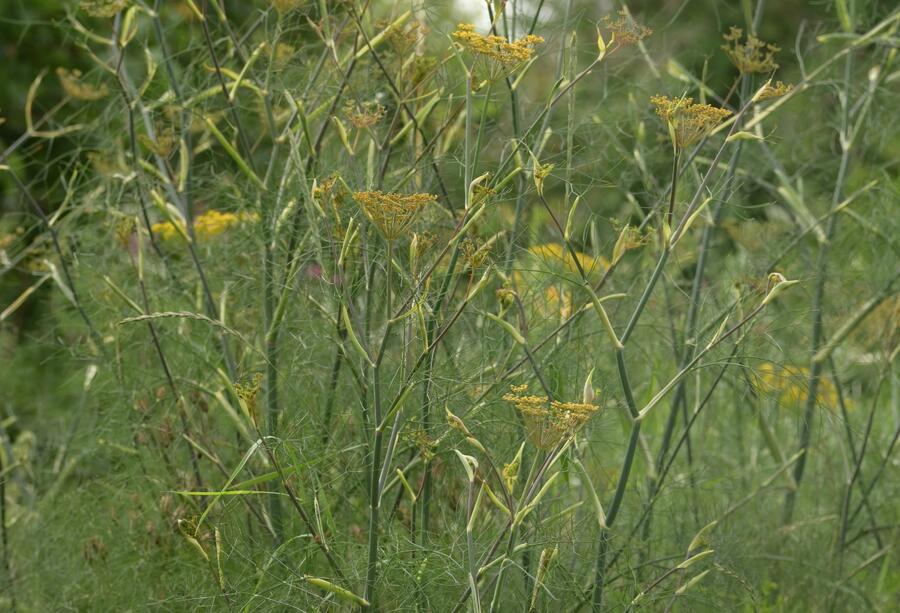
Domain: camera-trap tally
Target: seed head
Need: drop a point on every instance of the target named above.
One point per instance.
(392, 213)
(549, 421)
(364, 115)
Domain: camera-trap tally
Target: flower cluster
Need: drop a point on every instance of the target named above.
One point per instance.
(789, 384)
(207, 225)
(494, 47)
(103, 8)
(402, 39)
(364, 115)
(775, 91)
(626, 30)
(688, 122)
(247, 394)
(548, 421)
(71, 82)
(474, 253)
(392, 213)
(557, 253)
(752, 55)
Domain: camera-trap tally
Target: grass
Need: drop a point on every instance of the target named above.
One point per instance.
(328, 306)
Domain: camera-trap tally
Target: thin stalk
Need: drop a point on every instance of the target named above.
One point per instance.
(4, 534)
(378, 436)
(852, 479)
(815, 367)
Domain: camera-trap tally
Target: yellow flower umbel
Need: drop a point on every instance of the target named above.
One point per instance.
(494, 47)
(209, 224)
(625, 29)
(688, 122)
(752, 55)
(549, 421)
(775, 91)
(789, 385)
(392, 213)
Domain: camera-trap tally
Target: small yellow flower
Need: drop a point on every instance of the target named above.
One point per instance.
(790, 385)
(402, 39)
(752, 55)
(420, 439)
(775, 91)
(559, 254)
(494, 47)
(549, 421)
(73, 85)
(392, 213)
(688, 122)
(283, 53)
(103, 8)
(474, 253)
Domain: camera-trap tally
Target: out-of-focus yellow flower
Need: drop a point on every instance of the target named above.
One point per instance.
(558, 254)
(71, 82)
(549, 421)
(207, 225)
(790, 385)
(103, 8)
(557, 299)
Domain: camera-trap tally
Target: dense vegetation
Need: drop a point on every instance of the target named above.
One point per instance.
(403, 305)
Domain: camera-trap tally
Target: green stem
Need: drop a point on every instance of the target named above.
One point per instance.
(378, 434)
(815, 367)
